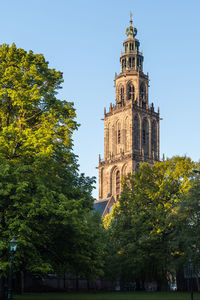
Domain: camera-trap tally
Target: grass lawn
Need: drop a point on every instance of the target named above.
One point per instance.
(108, 296)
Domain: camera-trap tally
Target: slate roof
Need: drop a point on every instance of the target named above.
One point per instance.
(100, 205)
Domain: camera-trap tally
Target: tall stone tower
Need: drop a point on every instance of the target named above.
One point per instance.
(131, 126)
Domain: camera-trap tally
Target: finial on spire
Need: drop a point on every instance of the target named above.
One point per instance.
(131, 21)
(131, 31)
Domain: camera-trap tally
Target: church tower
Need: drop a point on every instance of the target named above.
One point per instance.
(131, 126)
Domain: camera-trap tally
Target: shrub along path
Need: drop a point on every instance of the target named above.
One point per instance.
(108, 296)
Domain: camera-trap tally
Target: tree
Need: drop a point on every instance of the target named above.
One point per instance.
(143, 227)
(43, 200)
(189, 230)
(33, 121)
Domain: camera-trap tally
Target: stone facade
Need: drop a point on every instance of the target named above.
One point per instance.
(131, 126)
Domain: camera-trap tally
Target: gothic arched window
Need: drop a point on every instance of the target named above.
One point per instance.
(136, 133)
(118, 133)
(117, 184)
(131, 46)
(127, 134)
(124, 64)
(121, 95)
(153, 136)
(108, 140)
(125, 170)
(143, 92)
(145, 136)
(130, 91)
(131, 62)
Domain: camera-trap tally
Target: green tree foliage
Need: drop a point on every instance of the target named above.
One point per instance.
(32, 120)
(189, 230)
(43, 200)
(143, 227)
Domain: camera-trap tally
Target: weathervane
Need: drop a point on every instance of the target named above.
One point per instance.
(131, 21)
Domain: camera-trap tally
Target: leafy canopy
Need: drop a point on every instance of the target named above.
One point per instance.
(32, 120)
(43, 200)
(145, 225)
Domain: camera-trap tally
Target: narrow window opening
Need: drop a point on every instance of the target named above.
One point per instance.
(131, 92)
(122, 95)
(143, 104)
(136, 133)
(143, 92)
(117, 184)
(129, 62)
(144, 136)
(119, 136)
(153, 137)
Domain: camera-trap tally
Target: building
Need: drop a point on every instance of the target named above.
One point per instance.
(131, 126)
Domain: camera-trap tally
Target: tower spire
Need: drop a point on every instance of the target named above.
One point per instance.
(131, 21)
(131, 58)
(131, 126)
(131, 31)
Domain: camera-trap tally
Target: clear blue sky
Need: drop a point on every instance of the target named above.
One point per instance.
(83, 39)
